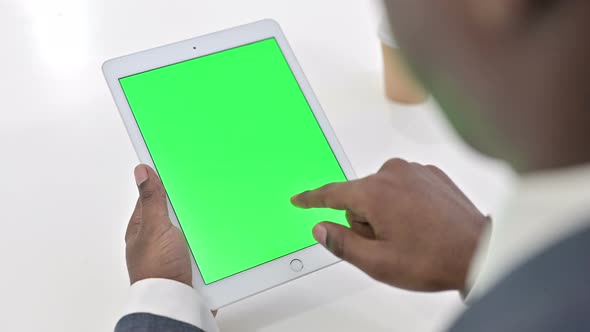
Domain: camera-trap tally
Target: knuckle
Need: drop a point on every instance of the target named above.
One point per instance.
(327, 189)
(372, 181)
(376, 186)
(350, 216)
(304, 197)
(338, 250)
(340, 247)
(147, 196)
(416, 165)
(152, 195)
(394, 164)
(439, 173)
(325, 194)
(434, 169)
(375, 195)
(326, 202)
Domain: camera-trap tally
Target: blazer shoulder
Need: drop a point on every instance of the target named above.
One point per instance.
(550, 292)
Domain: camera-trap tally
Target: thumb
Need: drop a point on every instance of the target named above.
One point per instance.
(152, 196)
(349, 246)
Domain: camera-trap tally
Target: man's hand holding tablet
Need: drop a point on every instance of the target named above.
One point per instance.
(155, 248)
(196, 108)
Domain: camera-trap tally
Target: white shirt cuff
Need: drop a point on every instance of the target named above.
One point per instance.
(172, 299)
(473, 290)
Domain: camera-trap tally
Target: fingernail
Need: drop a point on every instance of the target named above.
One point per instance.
(141, 175)
(295, 200)
(320, 233)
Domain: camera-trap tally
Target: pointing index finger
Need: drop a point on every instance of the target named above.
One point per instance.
(338, 196)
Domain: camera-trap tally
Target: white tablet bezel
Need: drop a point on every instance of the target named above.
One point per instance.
(278, 271)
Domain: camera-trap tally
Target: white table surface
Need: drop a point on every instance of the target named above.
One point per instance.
(66, 187)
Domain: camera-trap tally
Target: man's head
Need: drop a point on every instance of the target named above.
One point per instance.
(513, 76)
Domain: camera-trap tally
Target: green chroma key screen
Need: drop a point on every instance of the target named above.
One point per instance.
(233, 138)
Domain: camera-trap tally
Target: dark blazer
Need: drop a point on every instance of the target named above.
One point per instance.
(152, 323)
(550, 292)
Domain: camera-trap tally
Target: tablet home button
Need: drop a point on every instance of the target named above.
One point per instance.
(296, 265)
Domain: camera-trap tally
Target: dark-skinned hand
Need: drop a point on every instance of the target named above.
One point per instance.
(410, 226)
(155, 247)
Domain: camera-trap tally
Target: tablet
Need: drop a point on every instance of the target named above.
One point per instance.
(232, 127)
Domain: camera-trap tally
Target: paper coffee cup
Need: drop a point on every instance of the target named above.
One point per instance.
(400, 84)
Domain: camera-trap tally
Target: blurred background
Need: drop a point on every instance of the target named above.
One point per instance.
(67, 190)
